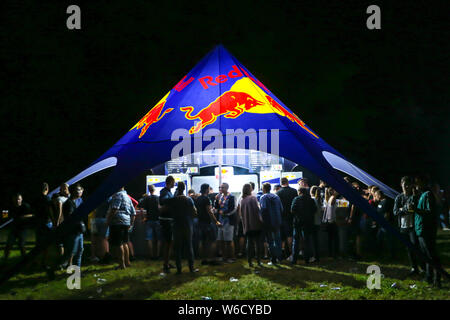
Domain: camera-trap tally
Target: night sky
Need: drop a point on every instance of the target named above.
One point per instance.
(380, 97)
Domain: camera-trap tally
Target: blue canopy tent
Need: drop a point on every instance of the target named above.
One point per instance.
(217, 95)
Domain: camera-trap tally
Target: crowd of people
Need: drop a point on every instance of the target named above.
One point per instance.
(277, 226)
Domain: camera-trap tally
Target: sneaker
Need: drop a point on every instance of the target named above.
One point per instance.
(445, 229)
(194, 270)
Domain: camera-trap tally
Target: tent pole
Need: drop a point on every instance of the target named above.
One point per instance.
(220, 167)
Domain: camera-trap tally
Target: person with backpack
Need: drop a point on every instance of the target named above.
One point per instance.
(271, 210)
(303, 210)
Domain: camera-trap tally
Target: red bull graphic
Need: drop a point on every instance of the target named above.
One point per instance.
(291, 116)
(153, 116)
(244, 96)
(231, 105)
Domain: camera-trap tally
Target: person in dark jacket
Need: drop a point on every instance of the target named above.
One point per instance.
(183, 212)
(385, 209)
(226, 210)
(166, 222)
(303, 210)
(287, 195)
(20, 211)
(150, 203)
(73, 237)
(207, 224)
(404, 211)
(271, 211)
(44, 221)
(425, 221)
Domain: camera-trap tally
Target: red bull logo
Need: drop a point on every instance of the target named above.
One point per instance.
(291, 116)
(153, 116)
(231, 105)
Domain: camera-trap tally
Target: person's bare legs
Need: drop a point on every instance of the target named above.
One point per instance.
(289, 244)
(118, 252)
(105, 246)
(232, 250)
(126, 255)
(130, 248)
(241, 245)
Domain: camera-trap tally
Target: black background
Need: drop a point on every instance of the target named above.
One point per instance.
(380, 97)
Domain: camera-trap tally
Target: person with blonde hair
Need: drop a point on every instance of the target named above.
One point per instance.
(329, 221)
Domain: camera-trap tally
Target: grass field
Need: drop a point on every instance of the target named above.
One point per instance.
(287, 282)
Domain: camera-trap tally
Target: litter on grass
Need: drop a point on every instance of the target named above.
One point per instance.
(232, 279)
(206, 298)
(100, 280)
(336, 288)
(413, 286)
(323, 285)
(395, 285)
